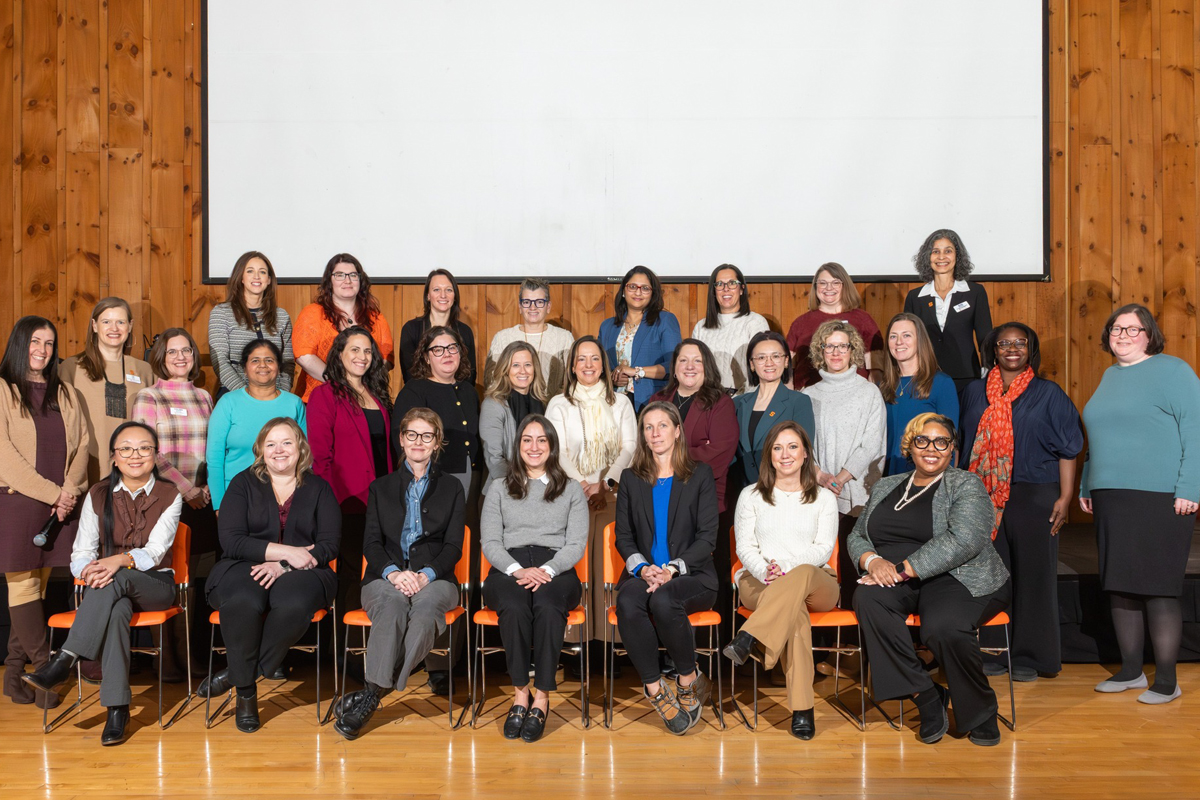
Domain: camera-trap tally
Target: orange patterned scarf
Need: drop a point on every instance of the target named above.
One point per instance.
(992, 455)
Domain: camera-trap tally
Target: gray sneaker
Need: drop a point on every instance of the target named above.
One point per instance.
(673, 716)
(693, 698)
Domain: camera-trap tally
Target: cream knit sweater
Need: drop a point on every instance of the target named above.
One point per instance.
(791, 531)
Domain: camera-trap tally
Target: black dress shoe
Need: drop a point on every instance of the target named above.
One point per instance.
(439, 682)
(53, 672)
(280, 674)
(246, 716)
(356, 712)
(535, 724)
(515, 721)
(215, 685)
(738, 651)
(804, 724)
(114, 726)
(934, 719)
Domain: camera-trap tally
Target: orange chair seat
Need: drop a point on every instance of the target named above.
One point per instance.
(702, 619)
(140, 619)
(486, 616)
(836, 618)
(63, 620)
(577, 616)
(1000, 619)
(744, 612)
(612, 615)
(215, 617)
(359, 619)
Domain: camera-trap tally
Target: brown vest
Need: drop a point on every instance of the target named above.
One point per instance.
(133, 518)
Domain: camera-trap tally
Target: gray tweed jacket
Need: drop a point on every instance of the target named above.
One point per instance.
(962, 532)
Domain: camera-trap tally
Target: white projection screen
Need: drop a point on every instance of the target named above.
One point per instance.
(573, 140)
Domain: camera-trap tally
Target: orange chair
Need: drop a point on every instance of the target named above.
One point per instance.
(614, 565)
(835, 618)
(180, 551)
(359, 619)
(214, 619)
(487, 618)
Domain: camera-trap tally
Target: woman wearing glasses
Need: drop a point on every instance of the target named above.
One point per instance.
(413, 541)
(1021, 434)
(833, 298)
(551, 343)
(768, 364)
(250, 311)
(851, 428)
(639, 337)
(728, 326)
(443, 308)
(912, 384)
(923, 546)
(1142, 481)
(344, 300)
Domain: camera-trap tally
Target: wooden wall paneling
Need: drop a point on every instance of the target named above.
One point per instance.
(126, 83)
(169, 308)
(168, 92)
(10, 306)
(1093, 297)
(591, 304)
(81, 287)
(125, 230)
(1139, 266)
(81, 128)
(1049, 298)
(39, 159)
(767, 299)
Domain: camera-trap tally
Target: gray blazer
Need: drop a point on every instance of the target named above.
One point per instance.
(963, 516)
(497, 429)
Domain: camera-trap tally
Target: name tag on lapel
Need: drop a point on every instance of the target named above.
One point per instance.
(133, 379)
(178, 412)
(963, 306)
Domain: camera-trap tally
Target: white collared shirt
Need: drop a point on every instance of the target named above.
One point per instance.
(513, 567)
(87, 539)
(942, 307)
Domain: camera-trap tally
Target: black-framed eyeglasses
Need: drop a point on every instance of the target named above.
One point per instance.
(733, 284)
(1012, 344)
(1132, 331)
(345, 276)
(534, 303)
(836, 348)
(940, 443)
(412, 436)
(440, 350)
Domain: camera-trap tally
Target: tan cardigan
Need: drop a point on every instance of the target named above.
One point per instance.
(100, 426)
(18, 447)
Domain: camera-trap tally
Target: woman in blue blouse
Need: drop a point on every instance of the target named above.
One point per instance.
(770, 401)
(639, 337)
(1021, 434)
(912, 384)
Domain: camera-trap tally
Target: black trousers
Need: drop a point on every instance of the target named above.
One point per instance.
(1031, 555)
(532, 622)
(259, 625)
(950, 617)
(646, 618)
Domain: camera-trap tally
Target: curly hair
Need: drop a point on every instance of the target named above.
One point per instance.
(366, 305)
(375, 380)
(987, 350)
(962, 259)
(816, 351)
(420, 367)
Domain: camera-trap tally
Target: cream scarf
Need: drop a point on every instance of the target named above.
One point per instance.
(601, 437)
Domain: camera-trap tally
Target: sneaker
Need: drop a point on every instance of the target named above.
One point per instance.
(356, 712)
(693, 698)
(994, 668)
(665, 703)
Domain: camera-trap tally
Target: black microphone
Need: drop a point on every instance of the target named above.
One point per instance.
(43, 535)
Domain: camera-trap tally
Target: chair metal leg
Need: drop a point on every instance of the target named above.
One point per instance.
(48, 724)
(191, 695)
(210, 717)
(480, 675)
(1012, 697)
(714, 664)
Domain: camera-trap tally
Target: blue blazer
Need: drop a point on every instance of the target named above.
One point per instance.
(786, 404)
(652, 346)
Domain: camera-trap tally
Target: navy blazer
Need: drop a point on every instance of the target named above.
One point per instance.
(955, 347)
(785, 404)
(652, 346)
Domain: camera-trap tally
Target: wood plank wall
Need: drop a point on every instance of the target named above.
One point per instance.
(104, 194)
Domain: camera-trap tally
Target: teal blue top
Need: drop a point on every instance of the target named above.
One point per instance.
(235, 424)
(1143, 426)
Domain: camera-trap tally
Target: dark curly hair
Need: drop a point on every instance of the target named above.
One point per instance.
(962, 260)
(987, 350)
(366, 305)
(420, 367)
(375, 380)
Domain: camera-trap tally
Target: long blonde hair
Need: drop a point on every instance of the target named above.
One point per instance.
(682, 463)
(500, 387)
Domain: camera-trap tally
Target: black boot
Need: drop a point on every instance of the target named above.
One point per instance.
(114, 726)
(246, 715)
(53, 673)
(932, 703)
(804, 724)
(356, 712)
(738, 651)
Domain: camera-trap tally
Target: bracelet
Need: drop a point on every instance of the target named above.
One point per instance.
(132, 562)
(870, 558)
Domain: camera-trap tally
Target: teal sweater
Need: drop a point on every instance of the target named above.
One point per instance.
(235, 423)
(1143, 426)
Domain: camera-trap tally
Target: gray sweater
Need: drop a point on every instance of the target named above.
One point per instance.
(226, 339)
(561, 525)
(962, 533)
(851, 433)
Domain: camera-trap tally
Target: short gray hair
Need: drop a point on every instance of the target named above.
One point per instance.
(534, 285)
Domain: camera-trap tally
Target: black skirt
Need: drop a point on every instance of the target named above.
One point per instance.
(1143, 544)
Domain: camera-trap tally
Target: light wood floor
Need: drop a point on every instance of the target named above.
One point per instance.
(1070, 743)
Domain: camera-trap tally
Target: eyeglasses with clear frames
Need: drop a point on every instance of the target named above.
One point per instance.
(186, 351)
(439, 350)
(144, 450)
(940, 443)
(763, 358)
(1012, 344)
(836, 348)
(412, 436)
(829, 284)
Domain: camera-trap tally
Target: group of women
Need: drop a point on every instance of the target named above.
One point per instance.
(929, 455)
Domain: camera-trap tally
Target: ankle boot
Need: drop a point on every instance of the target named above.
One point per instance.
(14, 670)
(29, 622)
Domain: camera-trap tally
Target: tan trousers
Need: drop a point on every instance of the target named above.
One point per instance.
(27, 586)
(780, 623)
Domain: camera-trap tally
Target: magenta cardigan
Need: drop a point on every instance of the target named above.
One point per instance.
(341, 446)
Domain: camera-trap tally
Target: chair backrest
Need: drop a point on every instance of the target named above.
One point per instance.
(462, 570)
(582, 567)
(181, 553)
(613, 563)
(832, 563)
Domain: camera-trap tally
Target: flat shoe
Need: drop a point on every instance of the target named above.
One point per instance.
(535, 724)
(515, 721)
(1111, 686)
(1024, 674)
(1153, 698)
(115, 725)
(994, 668)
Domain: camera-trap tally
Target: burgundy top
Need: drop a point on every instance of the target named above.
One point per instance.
(284, 509)
(800, 337)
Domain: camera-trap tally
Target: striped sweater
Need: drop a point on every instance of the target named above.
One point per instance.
(227, 339)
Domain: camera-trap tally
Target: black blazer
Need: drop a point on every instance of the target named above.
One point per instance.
(956, 347)
(691, 523)
(443, 514)
(249, 521)
(458, 407)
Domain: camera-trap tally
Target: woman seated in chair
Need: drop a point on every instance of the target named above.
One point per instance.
(666, 529)
(923, 546)
(122, 554)
(534, 529)
(280, 526)
(412, 543)
(786, 526)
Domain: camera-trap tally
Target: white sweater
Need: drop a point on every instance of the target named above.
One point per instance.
(728, 344)
(851, 433)
(791, 532)
(568, 424)
(553, 346)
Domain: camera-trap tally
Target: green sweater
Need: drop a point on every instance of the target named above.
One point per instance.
(1143, 426)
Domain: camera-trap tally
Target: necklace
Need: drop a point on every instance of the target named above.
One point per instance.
(537, 347)
(905, 500)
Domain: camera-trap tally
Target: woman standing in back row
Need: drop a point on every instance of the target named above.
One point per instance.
(728, 326)
(249, 312)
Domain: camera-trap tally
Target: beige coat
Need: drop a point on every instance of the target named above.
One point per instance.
(18, 447)
(100, 427)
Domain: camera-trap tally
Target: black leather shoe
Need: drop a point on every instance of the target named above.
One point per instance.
(439, 683)
(535, 723)
(738, 651)
(53, 672)
(934, 719)
(280, 674)
(215, 685)
(246, 716)
(515, 721)
(804, 724)
(987, 734)
(356, 712)
(114, 726)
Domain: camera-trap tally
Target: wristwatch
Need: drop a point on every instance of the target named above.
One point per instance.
(640, 372)
(674, 570)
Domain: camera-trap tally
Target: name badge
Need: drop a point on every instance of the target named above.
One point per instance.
(963, 306)
(178, 412)
(133, 379)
